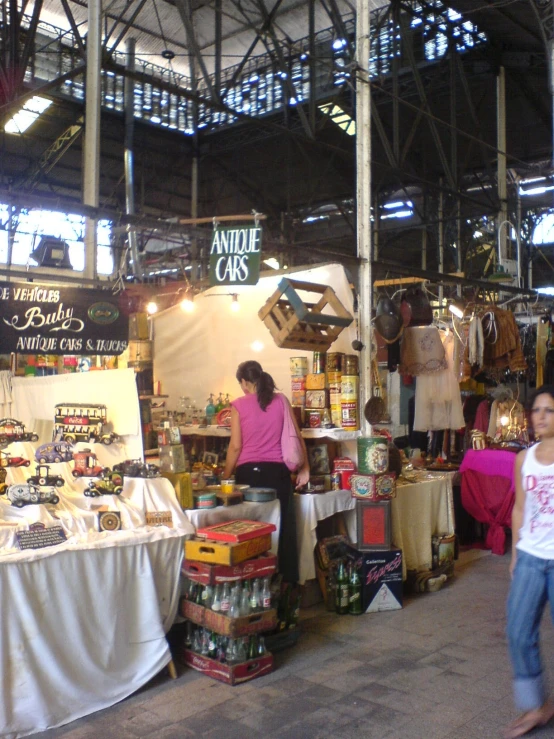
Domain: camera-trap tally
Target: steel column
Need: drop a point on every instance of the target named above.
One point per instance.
(128, 155)
(363, 207)
(91, 167)
(501, 171)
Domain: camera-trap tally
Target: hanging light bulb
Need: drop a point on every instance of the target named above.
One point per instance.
(151, 307)
(235, 305)
(187, 305)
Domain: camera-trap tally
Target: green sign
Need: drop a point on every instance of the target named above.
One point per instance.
(235, 256)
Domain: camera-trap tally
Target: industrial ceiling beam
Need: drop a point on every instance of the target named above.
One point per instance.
(184, 8)
(75, 29)
(126, 26)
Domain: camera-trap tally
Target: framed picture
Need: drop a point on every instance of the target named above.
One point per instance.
(210, 459)
(319, 460)
(373, 525)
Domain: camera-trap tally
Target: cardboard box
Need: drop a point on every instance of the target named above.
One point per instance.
(316, 382)
(374, 487)
(225, 553)
(230, 674)
(381, 576)
(226, 626)
(263, 566)
(138, 326)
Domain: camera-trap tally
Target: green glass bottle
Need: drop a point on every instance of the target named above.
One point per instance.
(252, 647)
(355, 592)
(342, 592)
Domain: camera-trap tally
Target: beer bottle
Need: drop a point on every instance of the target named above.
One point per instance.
(342, 594)
(355, 589)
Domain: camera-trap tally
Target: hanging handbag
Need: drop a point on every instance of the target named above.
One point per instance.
(291, 445)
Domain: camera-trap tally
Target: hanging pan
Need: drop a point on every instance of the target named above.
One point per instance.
(375, 409)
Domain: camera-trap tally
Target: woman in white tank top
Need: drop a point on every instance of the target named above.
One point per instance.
(532, 567)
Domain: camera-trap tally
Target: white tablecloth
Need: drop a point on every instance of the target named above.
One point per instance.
(83, 625)
(313, 508)
(420, 510)
(269, 512)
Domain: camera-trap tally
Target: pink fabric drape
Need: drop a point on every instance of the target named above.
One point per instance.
(489, 499)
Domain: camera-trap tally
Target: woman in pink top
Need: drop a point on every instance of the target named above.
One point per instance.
(255, 454)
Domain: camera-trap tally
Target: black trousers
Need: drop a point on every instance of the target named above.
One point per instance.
(277, 476)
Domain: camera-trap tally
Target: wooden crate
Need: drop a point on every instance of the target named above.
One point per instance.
(294, 324)
(263, 566)
(230, 674)
(227, 626)
(224, 553)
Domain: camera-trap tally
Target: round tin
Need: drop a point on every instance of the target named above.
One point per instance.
(318, 365)
(350, 364)
(333, 362)
(206, 500)
(373, 455)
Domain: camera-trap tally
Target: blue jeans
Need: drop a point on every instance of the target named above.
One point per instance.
(532, 586)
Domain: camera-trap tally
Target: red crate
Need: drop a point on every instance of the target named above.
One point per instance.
(230, 674)
(263, 566)
(233, 627)
(235, 531)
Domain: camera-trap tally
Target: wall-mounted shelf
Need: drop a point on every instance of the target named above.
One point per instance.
(337, 434)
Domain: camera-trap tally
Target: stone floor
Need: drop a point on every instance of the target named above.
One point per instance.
(437, 668)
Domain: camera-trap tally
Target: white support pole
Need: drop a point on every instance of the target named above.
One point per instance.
(501, 164)
(91, 168)
(363, 204)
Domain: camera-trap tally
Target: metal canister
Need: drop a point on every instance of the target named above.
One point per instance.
(298, 366)
(335, 481)
(349, 413)
(318, 362)
(350, 364)
(333, 361)
(373, 455)
(349, 387)
(314, 419)
(336, 414)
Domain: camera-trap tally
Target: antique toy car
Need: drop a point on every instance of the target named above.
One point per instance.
(53, 453)
(21, 494)
(136, 468)
(43, 477)
(86, 464)
(12, 430)
(110, 483)
(6, 460)
(82, 422)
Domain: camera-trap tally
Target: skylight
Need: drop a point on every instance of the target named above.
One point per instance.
(27, 115)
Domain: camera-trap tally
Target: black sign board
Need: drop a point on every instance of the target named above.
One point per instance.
(235, 256)
(41, 319)
(39, 536)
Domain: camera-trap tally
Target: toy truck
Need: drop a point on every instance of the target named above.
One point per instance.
(86, 464)
(110, 483)
(12, 430)
(22, 494)
(43, 478)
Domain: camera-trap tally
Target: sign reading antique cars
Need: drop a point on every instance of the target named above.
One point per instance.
(235, 256)
(40, 319)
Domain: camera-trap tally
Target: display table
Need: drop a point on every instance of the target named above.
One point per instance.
(83, 624)
(488, 492)
(313, 508)
(420, 510)
(269, 512)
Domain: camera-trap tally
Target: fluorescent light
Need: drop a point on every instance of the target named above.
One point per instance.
(396, 204)
(456, 310)
(545, 290)
(536, 190)
(27, 115)
(398, 214)
(272, 262)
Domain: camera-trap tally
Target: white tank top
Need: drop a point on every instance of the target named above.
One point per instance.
(536, 536)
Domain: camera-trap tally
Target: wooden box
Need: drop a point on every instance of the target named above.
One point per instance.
(226, 553)
(295, 324)
(263, 566)
(226, 626)
(230, 674)
(373, 524)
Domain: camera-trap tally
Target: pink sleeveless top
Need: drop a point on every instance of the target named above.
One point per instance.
(261, 430)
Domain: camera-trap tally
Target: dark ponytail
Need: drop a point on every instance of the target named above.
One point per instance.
(251, 371)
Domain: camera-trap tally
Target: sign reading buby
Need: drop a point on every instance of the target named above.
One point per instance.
(41, 319)
(235, 256)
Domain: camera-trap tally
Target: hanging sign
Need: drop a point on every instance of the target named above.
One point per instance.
(235, 256)
(41, 319)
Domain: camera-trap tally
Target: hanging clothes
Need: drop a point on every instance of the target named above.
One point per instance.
(438, 401)
(476, 342)
(541, 348)
(421, 351)
(502, 341)
(481, 422)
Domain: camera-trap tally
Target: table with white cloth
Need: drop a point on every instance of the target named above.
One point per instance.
(421, 509)
(311, 508)
(83, 622)
(270, 512)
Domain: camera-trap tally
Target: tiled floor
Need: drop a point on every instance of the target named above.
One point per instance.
(437, 668)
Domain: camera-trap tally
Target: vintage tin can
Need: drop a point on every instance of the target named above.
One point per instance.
(349, 415)
(298, 366)
(374, 487)
(336, 413)
(350, 364)
(333, 361)
(373, 455)
(318, 362)
(314, 419)
(336, 481)
(298, 384)
(349, 387)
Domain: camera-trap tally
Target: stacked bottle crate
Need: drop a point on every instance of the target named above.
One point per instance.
(227, 601)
